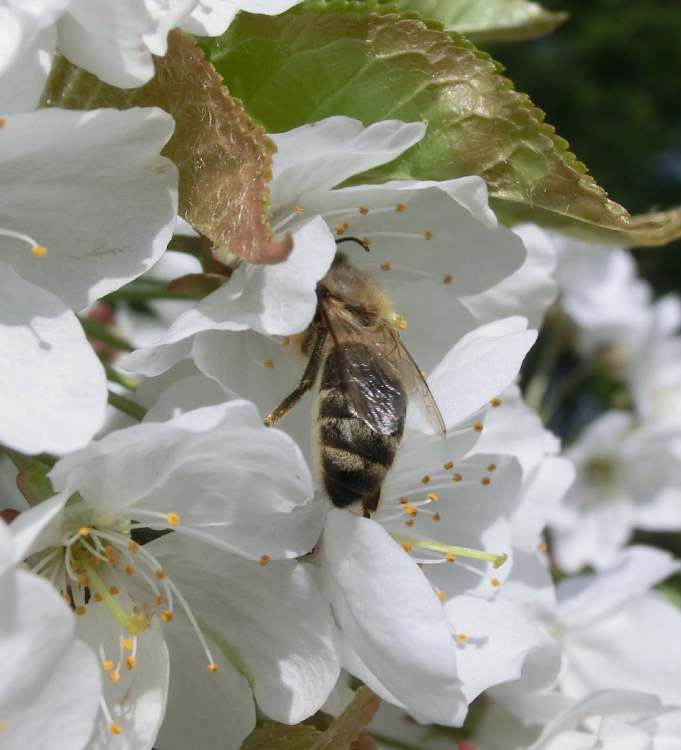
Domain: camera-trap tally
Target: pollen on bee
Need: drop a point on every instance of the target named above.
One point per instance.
(265, 559)
(447, 279)
(449, 465)
(477, 426)
(386, 266)
(399, 207)
(364, 210)
(450, 558)
(407, 546)
(167, 615)
(441, 596)
(427, 235)
(491, 467)
(496, 402)
(409, 509)
(80, 611)
(457, 477)
(129, 570)
(485, 481)
(107, 665)
(116, 729)
(341, 228)
(40, 251)
(173, 518)
(213, 668)
(114, 677)
(131, 662)
(425, 479)
(495, 582)
(268, 364)
(432, 497)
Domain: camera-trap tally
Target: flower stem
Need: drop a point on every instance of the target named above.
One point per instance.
(476, 554)
(127, 406)
(117, 377)
(102, 333)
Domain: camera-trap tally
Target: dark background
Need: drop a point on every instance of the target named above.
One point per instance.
(609, 79)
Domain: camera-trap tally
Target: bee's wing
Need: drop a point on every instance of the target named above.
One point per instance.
(415, 380)
(369, 376)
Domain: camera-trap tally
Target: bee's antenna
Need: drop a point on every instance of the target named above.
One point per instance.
(363, 245)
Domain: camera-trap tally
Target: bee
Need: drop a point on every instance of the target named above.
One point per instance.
(367, 377)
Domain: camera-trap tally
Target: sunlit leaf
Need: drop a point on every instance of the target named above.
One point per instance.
(293, 69)
(224, 159)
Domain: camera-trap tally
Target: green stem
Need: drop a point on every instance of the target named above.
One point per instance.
(117, 377)
(127, 406)
(144, 292)
(103, 333)
(539, 383)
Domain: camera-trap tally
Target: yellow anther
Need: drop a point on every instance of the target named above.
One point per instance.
(427, 235)
(113, 590)
(133, 546)
(160, 574)
(129, 570)
(542, 547)
(496, 402)
(399, 207)
(477, 426)
(410, 509)
(127, 643)
(404, 500)
(265, 559)
(3, 122)
(366, 242)
(114, 677)
(495, 582)
(173, 518)
(80, 611)
(67, 598)
(432, 497)
(40, 251)
(457, 477)
(462, 637)
(82, 580)
(485, 481)
(441, 596)
(107, 665)
(386, 266)
(298, 210)
(131, 662)
(450, 558)
(158, 599)
(364, 210)
(407, 546)
(166, 615)
(447, 279)
(425, 479)
(449, 465)
(491, 467)
(213, 668)
(409, 523)
(83, 531)
(436, 517)
(136, 623)
(97, 596)
(116, 729)
(268, 364)
(341, 228)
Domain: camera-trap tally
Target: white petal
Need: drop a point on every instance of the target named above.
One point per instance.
(392, 618)
(20, 23)
(586, 599)
(477, 369)
(67, 167)
(274, 299)
(245, 486)
(49, 682)
(37, 528)
(212, 17)
(137, 702)
(115, 41)
(211, 711)
(52, 384)
(270, 620)
(324, 154)
(23, 82)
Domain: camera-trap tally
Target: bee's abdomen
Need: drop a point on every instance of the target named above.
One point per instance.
(354, 457)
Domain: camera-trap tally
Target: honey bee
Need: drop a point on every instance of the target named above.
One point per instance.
(367, 377)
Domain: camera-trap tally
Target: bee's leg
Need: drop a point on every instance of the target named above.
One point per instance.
(306, 382)
(370, 504)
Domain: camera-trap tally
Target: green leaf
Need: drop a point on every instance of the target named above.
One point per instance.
(224, 160)
(480, 20)
(302, 67)
(340, 735)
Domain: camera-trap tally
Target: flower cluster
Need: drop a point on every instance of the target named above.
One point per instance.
(232, 491)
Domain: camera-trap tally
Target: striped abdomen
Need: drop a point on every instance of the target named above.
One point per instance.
(354, 458)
